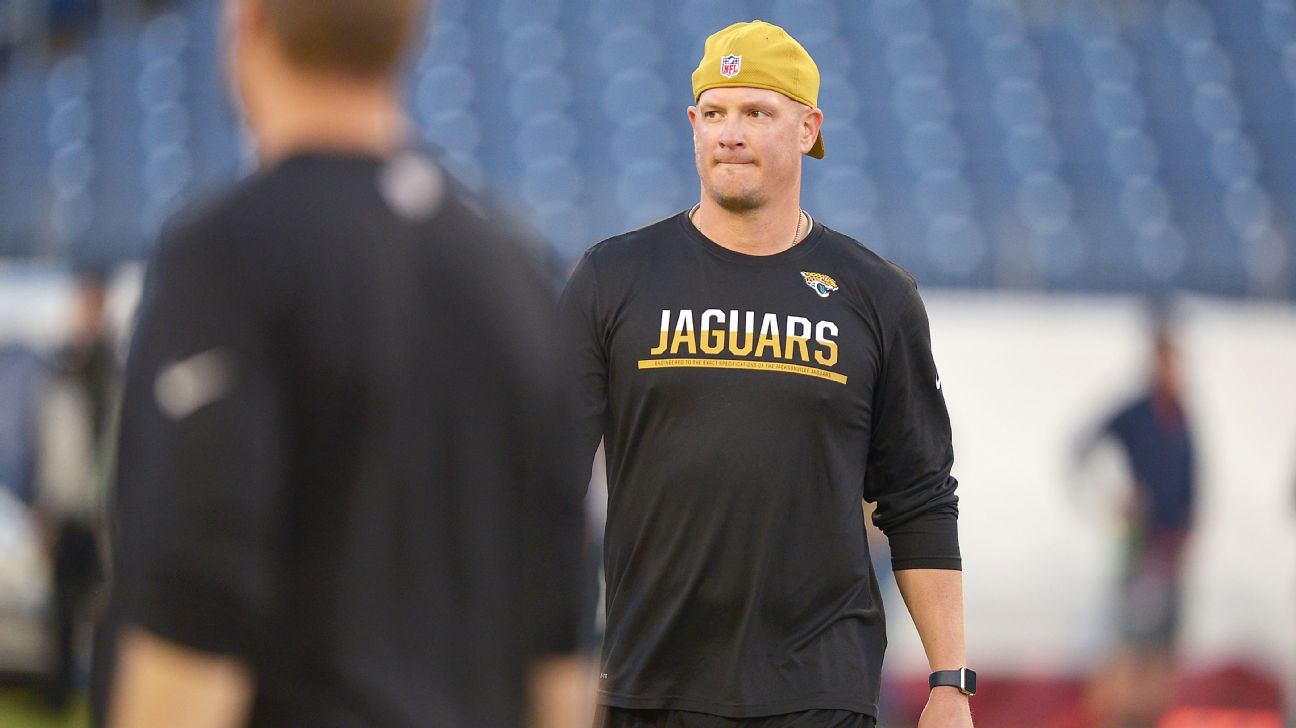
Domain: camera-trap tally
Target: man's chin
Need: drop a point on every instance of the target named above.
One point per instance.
(744, 202)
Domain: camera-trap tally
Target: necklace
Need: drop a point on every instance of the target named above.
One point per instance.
(796, 236)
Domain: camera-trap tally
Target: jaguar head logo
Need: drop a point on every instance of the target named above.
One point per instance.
(820, 283)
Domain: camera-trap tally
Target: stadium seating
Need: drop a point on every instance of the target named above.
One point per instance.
(1053, 144)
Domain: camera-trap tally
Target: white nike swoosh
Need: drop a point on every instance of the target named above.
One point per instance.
(188, 385)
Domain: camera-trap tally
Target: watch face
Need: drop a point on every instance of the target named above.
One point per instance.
(969, 681)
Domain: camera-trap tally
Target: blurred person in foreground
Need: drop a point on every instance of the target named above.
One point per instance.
(1155, 436)
(346, 493)
(77, 416)
(754, 376)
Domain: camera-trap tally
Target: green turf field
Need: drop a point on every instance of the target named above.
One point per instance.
(20, 708)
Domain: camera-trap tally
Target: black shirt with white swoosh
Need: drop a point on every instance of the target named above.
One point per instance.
(346, 453)
(748, 404)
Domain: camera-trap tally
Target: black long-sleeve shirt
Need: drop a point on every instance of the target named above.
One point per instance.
(747, 404)
(345, 451)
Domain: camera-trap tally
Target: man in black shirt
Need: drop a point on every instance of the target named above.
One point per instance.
(347, 495)
(753, 375)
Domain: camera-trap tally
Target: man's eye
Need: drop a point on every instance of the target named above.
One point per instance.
(758, 112)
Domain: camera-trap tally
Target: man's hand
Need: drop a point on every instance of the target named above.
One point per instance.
(561, 691)
(160, 684)
(946, 708)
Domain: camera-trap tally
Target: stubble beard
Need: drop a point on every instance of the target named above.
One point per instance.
(744, 202)
(741, 199)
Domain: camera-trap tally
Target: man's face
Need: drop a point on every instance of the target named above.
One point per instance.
(748, 144)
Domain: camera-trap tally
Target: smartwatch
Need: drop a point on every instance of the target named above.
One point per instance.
(962, 678)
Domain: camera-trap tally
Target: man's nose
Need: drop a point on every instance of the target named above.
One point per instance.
(731, 135)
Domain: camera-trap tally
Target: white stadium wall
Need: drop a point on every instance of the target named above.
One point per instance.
(1026, 376)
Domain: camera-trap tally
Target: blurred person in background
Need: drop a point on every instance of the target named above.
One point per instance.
(1155, 436)
(346, 493)
(739, 587)
(78, 405)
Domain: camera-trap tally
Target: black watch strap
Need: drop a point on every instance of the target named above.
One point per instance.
(962, 678)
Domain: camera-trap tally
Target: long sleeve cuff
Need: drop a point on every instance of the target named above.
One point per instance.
(929, 541)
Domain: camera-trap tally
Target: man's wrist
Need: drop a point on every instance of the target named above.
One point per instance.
(948, 692)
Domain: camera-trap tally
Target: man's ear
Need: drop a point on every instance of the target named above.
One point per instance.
(811, 123)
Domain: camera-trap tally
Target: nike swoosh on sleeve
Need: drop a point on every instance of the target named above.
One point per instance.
(188, 385)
